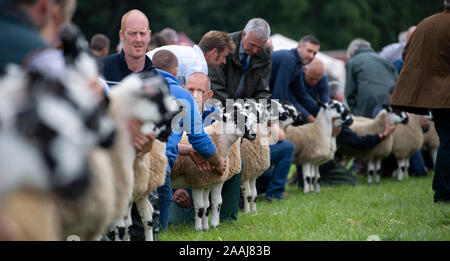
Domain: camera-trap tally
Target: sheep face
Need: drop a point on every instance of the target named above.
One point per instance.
(396, 115)
(286, 113)
(241, 121)
(49, 131)
(338, 110)
(153, 105)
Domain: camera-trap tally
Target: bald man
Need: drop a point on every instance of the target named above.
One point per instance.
(135, 35)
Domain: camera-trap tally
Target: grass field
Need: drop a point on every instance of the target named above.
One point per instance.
(392, 210)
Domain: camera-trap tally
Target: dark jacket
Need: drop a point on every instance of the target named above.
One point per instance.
(424, 82)
(225, 80)
(19, 38)
(368, 80)
(115, 68)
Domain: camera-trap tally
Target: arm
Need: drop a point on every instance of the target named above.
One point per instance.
(324, 90)
(263, 88)
(219, 83)
(350, 87)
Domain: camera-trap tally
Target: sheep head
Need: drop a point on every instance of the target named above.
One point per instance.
(395, 115)
(338, 110)
(286, 113)
(240, 120)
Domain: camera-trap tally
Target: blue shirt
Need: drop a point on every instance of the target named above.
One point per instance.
(115, 68)
(192, 123)
(287, 83)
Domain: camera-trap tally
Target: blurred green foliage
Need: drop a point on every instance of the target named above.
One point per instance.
(335, 23)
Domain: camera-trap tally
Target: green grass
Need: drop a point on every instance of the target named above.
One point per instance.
(392, 210)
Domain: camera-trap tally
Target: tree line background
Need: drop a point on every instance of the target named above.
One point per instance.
(334, 23)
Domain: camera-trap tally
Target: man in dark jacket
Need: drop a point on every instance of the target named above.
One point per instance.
(246, 73)
(287, 78)
(20, 22)
(368, 78)
(424, 85)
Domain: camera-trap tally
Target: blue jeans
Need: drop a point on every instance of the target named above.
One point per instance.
(273, 180)
(417, 164)
(441, 180)
(164, 201)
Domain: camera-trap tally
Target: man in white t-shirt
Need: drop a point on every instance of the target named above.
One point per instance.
(211, 51)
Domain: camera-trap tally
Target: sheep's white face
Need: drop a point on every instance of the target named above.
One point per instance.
(396, 116)
(286, 113)
(241, 121)
(339, 111)
(153, 105)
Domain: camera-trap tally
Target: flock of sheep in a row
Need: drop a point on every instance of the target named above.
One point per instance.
(35, 210)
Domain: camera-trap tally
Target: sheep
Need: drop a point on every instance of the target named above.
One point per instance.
(367, 126)
(408, 138)
(431, 142)
(314, 143)
(226, 135)
(256, 154)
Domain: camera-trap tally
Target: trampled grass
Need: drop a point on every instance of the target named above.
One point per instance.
(392, 210)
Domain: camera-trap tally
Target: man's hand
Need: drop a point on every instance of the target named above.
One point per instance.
(200, 162)
(310, 119)
(181, 197)
(142, 143)
(219, 163)
(388, 130)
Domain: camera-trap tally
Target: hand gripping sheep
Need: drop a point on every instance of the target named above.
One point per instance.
(226, 134)
(314, 142)
(256, 154)
(367, 126)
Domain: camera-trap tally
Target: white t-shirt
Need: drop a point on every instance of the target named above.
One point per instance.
(190, 60)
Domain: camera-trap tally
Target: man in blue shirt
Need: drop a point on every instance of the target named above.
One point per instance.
(286, 80)
(192, 123)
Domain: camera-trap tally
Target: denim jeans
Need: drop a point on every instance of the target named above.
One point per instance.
(441, 180)
(273, 180)
(164, 201)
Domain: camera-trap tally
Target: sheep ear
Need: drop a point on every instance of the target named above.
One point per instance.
(321, 104)
(387, 107)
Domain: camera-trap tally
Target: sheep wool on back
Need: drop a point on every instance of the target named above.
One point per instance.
(365, 126)
(407, 138)
(256, 157)
(185, 173)
(312, 142)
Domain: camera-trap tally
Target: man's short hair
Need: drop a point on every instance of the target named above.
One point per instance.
(125, 17)
(309, 39)
(200, 74)
(165, 60)
(158, 40)
(216, 39)
(259, 27)
(170, 35)
(355, 45)
(99, 42)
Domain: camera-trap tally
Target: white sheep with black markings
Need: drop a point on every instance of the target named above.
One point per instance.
(431, 142)
(408, 138)
(314, 142)
(226, 134)
(366, 126)
(256, 154)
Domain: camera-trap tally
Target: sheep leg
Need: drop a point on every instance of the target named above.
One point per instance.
(399, 170)
(145, 210)
(377, 172)
(406, 167)
(246, 191)
(128, 222)
(370, 171)
(306, 177)
(316, 178)
(205, 221)
(434, 155)
(216, 203)
(199, 207)
(254, 194)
